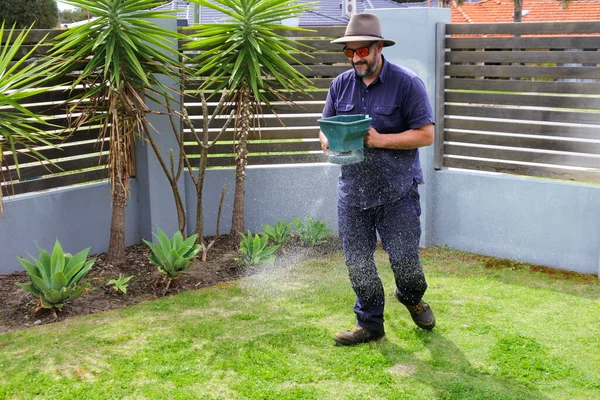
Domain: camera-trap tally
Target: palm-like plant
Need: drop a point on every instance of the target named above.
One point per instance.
(120, 54)
(244, 55)
(20, 129)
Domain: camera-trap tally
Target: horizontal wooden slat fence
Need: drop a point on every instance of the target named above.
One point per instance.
(78, 158)
(520, 98)
(290, 134)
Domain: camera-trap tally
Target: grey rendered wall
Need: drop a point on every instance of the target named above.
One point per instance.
(544, 222)
(273, 193)
(79, 217)
(414, 30)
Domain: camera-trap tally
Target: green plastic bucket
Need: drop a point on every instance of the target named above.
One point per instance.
(345, 135)
(345, 132)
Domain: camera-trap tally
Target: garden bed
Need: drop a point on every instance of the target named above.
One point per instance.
(17, 307)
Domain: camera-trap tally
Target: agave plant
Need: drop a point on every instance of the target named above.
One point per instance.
(254, 250)
(172, 256)
(55, 278)
(20, 128)
(123, 57)
(279, 234)
(245, 55)
(311, 232)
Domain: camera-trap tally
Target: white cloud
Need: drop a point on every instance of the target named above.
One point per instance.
(63, 6)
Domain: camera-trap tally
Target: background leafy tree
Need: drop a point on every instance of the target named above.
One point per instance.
(72, 15)
(24, 13)
(245, 56)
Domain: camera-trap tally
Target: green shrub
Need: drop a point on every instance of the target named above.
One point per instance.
(121, 283)
(55, 278)
(311, 232)
(280, 234)
(172, 256)
(254, 250)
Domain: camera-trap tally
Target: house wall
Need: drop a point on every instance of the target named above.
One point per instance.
(79, 217)
(544, 222)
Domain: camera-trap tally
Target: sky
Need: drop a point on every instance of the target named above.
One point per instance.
(63, 6)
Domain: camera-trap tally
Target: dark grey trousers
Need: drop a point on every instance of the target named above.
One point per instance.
(399, 228)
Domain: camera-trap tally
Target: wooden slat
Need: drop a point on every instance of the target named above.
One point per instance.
(523, 86)
(34, 36)
(570, 42)
(295, 97)
(439, 96)
(36, 170)
(523, 142)
(581, 57)
(318, 83)
(327, 31)
(319, 44)
(571, 160)
(524, 100)
(510, 71)
(321, 70)
(315, 58)
(24, 50)
(575, 131)
(263, 134)
(55, 182)
(295, 108)
(537, 28)
(294, 121)
(522, 114)
(526, 170)
(80, 135)
(269, 160)
(272, 147)
(53, 95)
(60, 152)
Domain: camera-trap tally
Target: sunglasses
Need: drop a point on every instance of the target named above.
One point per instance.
(361, 51)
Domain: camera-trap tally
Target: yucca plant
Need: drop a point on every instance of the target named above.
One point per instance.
(21, 130)
(311, 232)
(123, 58)
(55, 277)
(245, 55)
(279, 234)
(172, 256)
(255, 250)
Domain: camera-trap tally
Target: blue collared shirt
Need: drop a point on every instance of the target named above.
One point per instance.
(396, 101)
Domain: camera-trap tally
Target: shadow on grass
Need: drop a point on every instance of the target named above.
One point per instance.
(451, 375)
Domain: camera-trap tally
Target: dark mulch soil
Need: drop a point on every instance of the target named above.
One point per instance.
(17, 307)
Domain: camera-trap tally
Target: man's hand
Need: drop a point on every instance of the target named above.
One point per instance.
(410, 139)
(324, 142)
(373, 138)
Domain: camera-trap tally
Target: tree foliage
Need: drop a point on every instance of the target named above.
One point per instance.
(72, 15)
(23, 13)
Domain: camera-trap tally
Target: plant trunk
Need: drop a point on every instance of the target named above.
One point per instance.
(200, 193)
(241, 159)
(116, 245)
(518, 13)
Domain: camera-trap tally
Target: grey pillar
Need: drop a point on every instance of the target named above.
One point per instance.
(156, 202)
(414, 31)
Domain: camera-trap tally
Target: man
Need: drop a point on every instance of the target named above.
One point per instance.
(380, 194)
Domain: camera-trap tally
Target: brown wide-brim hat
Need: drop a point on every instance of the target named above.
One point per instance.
(363, 27)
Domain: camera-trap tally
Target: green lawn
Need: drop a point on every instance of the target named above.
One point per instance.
(504, 332)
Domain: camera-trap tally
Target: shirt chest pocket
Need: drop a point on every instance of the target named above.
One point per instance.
(344, 108)
(387, 119)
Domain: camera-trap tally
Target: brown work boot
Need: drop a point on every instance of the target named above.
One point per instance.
(421, 313)
(357, 335)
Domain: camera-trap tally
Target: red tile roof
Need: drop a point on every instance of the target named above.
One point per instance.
(533, 11)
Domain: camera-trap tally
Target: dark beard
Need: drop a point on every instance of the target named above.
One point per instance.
(369, 71)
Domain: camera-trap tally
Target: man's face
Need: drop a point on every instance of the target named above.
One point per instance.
(365, 65)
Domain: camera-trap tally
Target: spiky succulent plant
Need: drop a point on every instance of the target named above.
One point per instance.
(55, 277)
